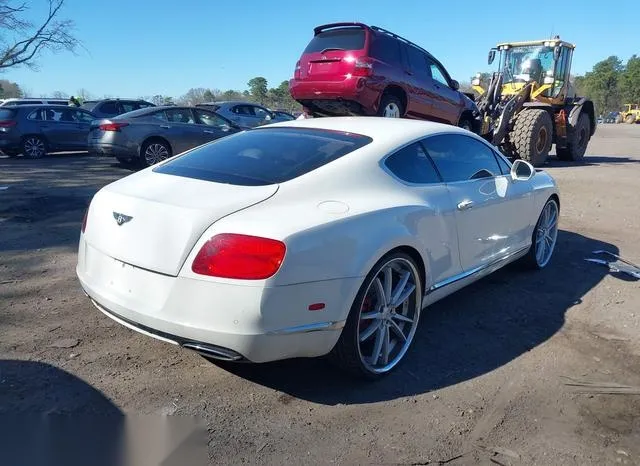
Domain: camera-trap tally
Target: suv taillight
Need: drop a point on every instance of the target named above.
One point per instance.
(243, 257)
(296, 73)
(112, 126)
(363, 66)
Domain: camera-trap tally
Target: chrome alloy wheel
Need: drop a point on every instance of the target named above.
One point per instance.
(389, 315)
(155, 152)
(546, 233)
(34, 148)
(391, 110)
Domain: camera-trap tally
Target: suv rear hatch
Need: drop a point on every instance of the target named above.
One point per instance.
(7, 120)
(336, 50)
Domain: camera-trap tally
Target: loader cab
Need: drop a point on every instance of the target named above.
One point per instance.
(546, 63)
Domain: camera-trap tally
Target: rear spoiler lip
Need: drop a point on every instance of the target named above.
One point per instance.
(318, 29)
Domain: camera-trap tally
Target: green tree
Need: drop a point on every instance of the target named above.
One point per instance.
(630, 81)
(208, 96)
(602, 84)
(258, 89)
(10, 89)
(231, 95)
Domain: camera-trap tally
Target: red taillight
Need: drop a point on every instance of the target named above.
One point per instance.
(84, 220)
(112, 126)
(363, 66)
(296, 73)
(239, 256)
(7, 123)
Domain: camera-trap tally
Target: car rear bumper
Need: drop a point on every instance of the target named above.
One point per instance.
(222, 320)
(324, 94)
(111, 150)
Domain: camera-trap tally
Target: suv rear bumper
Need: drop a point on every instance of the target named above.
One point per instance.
(351, 95)
(111, 150)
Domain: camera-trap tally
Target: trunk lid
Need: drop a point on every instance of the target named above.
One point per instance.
(152, 220)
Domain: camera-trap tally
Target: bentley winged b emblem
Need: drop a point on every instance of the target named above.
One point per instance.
(121, 218)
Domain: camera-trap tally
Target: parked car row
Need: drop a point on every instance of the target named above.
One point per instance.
(131, 130)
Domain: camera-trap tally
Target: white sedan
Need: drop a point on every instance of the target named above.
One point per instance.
(311, 237)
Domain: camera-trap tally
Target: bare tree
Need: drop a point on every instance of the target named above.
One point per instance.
(21, 41)
(60, 95)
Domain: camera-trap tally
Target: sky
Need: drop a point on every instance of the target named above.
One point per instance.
(134, 48)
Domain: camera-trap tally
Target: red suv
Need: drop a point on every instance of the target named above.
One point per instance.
(352, 68)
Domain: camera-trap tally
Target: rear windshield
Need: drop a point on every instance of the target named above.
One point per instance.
(264, 156)
(337, 39)
(89, 105)
(6, 113)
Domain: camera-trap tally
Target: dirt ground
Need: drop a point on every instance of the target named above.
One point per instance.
(488, 381)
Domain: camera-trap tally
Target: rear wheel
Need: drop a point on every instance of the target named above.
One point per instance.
(630, 119)
(383, 319)
(578, 141)
(153, 152)
(532, 135)
(34, 147)
(391, 107)
(464, 123)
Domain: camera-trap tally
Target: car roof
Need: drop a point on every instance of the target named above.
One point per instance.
(395, 131)
(232, 102)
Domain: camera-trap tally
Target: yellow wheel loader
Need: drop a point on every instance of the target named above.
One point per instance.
(530, 104)
(631, 113)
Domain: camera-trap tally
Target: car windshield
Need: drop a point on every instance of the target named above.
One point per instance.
(264, 156)
(337, 39)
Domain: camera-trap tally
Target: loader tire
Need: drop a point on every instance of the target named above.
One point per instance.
(630, 119)
(578, 140)
(532, 135)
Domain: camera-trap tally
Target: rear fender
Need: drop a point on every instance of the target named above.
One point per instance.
(583, 105)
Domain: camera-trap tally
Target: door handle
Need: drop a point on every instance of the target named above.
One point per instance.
(165, 126)
(464, 205)
(206, 131)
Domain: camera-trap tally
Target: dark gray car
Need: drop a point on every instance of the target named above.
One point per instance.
(108, 108)
(35, 130)
(244, 114)
(151, 135)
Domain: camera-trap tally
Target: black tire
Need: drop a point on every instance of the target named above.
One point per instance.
(11, 153)
(630, 119)
(346, 354)
(465, 123)
(578, 140)
(532, 135)
(144, 160)
(530, 261)
(34, 147)
(387, 104)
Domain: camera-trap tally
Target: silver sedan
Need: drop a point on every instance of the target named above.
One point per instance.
(245, 114)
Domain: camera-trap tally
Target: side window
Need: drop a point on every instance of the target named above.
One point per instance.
(385, 49)
(461, 158)
(411, 164)
(36, 115)
(143, 105)
(180, 115)
(128, 107)
(417, 60)
(83, 117)
(437, 73)
(109, 108)
(160, 116)
(209, 119)
(246, 110)
(261, 113)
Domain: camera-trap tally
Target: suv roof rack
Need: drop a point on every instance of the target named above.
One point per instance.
(396, 36)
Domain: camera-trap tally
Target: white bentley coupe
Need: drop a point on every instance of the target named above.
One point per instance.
(311, 237)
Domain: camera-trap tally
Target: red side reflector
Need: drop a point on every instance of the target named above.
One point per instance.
(239, 256)
(112, 126)
(7, 123)
(316, 307)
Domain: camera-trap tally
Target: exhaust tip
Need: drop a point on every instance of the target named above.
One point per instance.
(215, 352)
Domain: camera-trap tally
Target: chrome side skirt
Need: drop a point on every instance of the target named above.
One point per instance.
(467, 274)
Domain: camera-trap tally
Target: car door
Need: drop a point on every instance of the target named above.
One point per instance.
(212, 126)
(263, 115)
(434, 222)
(183, 132)
(487, 230)
(447, 101)
(59, 128)
(420, 102)
(83, 120)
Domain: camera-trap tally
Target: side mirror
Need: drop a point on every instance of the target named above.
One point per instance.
(492, 56)
(455, 85)
(268, 117)
(522, 170)
(556, 52)
(226, 128)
